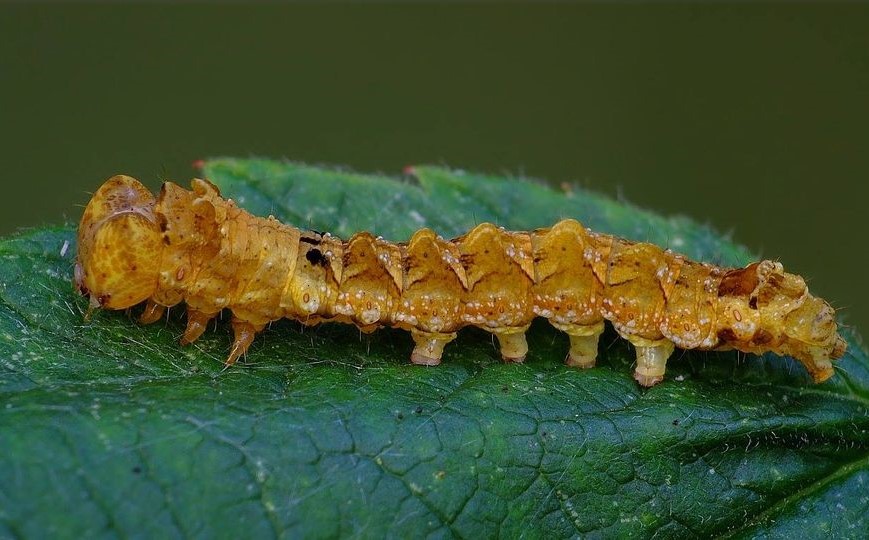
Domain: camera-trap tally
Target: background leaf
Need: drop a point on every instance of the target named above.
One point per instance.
(108, 428)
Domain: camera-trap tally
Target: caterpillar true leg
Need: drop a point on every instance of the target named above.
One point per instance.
(429, 347)
(651, 359)
(244, 332)
(197, 321)
(153, 312)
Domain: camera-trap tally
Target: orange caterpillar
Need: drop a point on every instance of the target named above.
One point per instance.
(198, 248)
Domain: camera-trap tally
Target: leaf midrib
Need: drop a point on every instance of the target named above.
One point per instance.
(783, 502)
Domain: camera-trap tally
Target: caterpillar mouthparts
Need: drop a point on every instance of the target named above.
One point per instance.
(198, 248)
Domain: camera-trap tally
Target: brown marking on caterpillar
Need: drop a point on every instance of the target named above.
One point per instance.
(198, 248)
(739, 282)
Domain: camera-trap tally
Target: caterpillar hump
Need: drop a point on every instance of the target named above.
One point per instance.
(194, 246)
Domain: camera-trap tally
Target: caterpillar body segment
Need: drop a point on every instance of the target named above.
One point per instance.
(195, 247)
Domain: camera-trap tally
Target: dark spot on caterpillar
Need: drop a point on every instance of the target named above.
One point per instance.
(726, 335)
(309, 240)
(399, 416)
(418, 409)
(316, 257)
(762, 337)
(676, 422)
(752, 302)
(164, 224)
(167, 241)
(506, 389)
(137, 469)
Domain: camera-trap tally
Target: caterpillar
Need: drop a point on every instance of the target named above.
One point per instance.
(194, 246)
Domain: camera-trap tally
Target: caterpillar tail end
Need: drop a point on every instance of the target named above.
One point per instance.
(820, 366)
(651, 361)
(822, 375)
(824, 368)
(429, 347)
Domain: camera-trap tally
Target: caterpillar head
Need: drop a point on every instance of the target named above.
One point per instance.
(119, 245)
(766, 308)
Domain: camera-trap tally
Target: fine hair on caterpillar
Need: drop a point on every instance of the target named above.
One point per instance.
(195, 247)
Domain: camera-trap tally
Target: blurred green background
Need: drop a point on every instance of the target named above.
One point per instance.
(754, 118)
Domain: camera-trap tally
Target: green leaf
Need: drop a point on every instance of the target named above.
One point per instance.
(111, 429)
